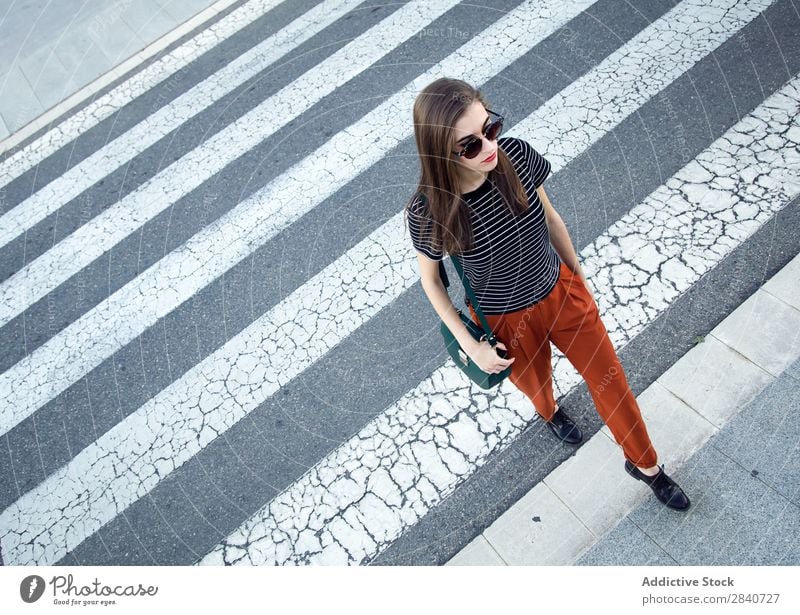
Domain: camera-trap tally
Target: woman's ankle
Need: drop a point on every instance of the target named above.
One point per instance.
(651, 471)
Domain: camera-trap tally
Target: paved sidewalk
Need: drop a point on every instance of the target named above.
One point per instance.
(724, 420)
(51, 50)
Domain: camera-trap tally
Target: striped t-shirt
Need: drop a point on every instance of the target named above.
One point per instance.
(512, 264)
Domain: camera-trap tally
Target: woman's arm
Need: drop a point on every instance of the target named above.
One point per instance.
(559, 237)
(481, 352)
(442, 304)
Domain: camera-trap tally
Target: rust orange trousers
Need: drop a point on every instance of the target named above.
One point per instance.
(569, 318)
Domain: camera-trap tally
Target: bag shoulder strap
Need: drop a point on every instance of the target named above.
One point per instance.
(443, 275)
(490, 337)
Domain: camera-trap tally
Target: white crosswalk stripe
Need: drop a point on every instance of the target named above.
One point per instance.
(374, 486)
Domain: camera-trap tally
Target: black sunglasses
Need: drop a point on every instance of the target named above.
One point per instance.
(474, 146)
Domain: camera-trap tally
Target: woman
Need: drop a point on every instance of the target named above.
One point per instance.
(481, 200)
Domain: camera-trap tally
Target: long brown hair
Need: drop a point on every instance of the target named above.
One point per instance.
(436, 110)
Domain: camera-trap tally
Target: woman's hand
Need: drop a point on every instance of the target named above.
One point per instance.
(582, 276)
(488, 360)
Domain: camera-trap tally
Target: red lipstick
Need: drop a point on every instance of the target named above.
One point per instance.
(490, 158)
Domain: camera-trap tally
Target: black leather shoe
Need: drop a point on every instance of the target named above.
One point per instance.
(563, 427)
(663, 486)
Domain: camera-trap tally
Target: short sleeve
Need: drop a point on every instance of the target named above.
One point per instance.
(538, 164)
(420, 227)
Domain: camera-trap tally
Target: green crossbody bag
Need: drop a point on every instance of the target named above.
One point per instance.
(475, 373)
